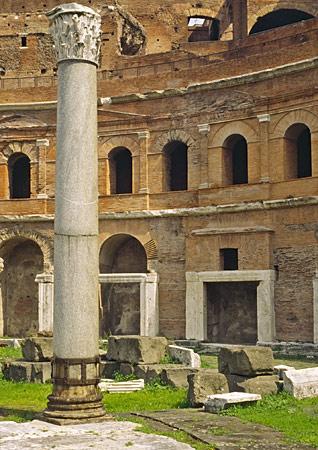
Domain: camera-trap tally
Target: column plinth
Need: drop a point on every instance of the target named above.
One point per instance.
(75, 367)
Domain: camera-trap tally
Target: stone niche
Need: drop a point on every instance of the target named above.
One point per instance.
(232, 312)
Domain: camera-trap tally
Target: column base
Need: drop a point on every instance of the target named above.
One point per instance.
(74, 404)
(76, 397)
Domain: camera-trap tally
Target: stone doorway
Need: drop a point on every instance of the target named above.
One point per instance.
(120, 302)
(232, 312)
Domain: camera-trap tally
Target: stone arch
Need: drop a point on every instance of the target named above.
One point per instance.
(307, 8)
(107, 145)
(297, 116)
(229, 129)
(174, 135)
(19, 147)
(43, 242)
(149, 245)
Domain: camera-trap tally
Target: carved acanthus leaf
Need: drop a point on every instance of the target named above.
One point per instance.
(76, 32)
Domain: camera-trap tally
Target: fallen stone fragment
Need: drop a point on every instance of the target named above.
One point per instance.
(176, 377)
(302, 383)
(203, 383)
(185, 356)
(37, 349)
(111, 386)
(218, 402)
(280, 369)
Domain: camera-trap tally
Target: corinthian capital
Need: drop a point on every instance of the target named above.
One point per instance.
(76, 32)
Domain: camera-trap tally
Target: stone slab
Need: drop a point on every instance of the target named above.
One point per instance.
(280, 369)
(112, 435)
(185, 356)
(302, 383)
(218, 402)
(203, 383)
(136, 349)
(246, 361)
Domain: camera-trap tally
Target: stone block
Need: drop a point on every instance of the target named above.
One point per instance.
(176, 376)
(185, 356)
(150, 372)
(112, 386)
(203, 383)
(302, 383)
(37, 349)
(136, 349)
(246, 361)
(126, 369)
(262, 385)
(218, 402)
(280, 369)
(108, 368)
(34, 372)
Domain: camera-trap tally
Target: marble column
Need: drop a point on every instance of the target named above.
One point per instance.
(45, 305)
(42, 145)
(204, 130)
(76, 34)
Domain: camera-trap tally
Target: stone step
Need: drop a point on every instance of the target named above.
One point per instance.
(218, 402)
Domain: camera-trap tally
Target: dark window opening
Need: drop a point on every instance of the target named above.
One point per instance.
(121, 171)
(236, 160)
(19, 176)
(202, 28)
(24, 42)
(176, 156)
(229, 258)
(279, 18)
(298, 159)
(2, 71)
(304, 154)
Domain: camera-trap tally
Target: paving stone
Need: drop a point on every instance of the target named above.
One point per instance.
(302, 383)
(108, 435)
(218, 402)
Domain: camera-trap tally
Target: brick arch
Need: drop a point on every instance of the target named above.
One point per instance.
(308, 8)
(174, 135)
(118, 141)
(45, 244)
(234, 128)
(298, 116)
(146, 241)
(27, 149)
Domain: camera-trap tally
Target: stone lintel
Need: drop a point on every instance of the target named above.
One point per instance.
(238, 230)
(42, 142)
(264, 118)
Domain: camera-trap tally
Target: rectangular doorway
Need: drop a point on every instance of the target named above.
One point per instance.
(232, 312)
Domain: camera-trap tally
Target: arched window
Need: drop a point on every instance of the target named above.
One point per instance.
(279, 18)
(298, 151)
(176, 170)
(201, 28)
(19, 175)
(235, 160)
(120, 162)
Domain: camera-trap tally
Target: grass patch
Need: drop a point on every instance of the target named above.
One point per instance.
(297, 419)
(152, 398)
(177, 435)
(209, 361)
(10, 353)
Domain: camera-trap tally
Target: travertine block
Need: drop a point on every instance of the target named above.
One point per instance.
(37, 349)
(246, 361)
(136, 349)
(185, 356)
(203, 383)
